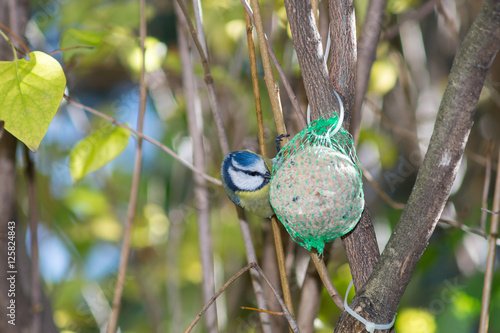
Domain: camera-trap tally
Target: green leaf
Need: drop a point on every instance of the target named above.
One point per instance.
(30, 94)
(96, 150)
(76, 37)
(383, 76)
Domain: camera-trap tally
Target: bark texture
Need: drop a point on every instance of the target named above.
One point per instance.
(343, 53)
(367, 49)
(307, 44)
(8, 146)
(14, 14)
(379, 298)
(360, 244)
(361, 249)
(318, 87)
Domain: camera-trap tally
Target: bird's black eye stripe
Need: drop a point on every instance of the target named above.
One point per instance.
(250, 173)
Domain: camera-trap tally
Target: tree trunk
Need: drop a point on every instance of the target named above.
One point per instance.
(379, 298)
(16, 292)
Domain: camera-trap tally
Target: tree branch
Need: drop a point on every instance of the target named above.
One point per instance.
(15, 14)
(36, 291)
(319, 90)
(343, 53)
(286, 312)
(307, 44)
(279, 69)
(125, 252)
(195, 127)
(214, 103)
(141, 135)
(490, 261)
(367, 48)
(360, 244)
(272, 89)
(378, 299)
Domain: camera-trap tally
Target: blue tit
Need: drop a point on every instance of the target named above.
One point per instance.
(245, 178)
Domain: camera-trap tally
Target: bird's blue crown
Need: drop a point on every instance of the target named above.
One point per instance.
(245, 158)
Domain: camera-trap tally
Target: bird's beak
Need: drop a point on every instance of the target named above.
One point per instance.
(267, 175)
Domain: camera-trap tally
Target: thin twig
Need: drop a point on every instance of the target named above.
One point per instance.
(256, 267)
(479, 159)
(125, 252)
(217, 294)
(387, 122)
(494, 94)
(255, 84)
(36, 293)
(256, 280)
(279, 69)
(272, 90)
(377, 188)
(214, 104)
(287, 312)
(198, 19)
(16, 38)
(268, 70)
(490, 211)
(486, 187)
(263, 311)
(310, 296)
(467, 229)
(315, 11)
(367, 48)
(278, 244)
(490, 261)
(245, 230)
(195, 127)
(70, 48)
(169, 151)
(416, 15)
(327, 281)
(450, 22)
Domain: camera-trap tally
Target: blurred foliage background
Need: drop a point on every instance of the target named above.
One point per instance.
(81, 225)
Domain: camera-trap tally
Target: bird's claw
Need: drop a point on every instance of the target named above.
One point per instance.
(277, 141)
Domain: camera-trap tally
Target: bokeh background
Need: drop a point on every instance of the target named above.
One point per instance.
(81, 225)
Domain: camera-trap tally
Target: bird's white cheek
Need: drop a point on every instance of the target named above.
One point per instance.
(250, 183)
(245, 182)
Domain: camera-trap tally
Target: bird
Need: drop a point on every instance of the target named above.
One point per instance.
(245, 177)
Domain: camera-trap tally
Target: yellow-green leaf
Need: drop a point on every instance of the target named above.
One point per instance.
(383, 77)
(96, 150)
(76, 37)
(30, 94)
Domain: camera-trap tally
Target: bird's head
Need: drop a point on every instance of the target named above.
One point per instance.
(245, 171)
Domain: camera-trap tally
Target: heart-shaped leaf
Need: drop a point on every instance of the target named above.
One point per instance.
(96, 150)
(30, 94)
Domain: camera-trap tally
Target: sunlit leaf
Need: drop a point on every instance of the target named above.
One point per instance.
(415, 321)
(106, 227)
(388, 152)
(85, 202)
(465, 305)
(75, 37)
(235, 29)
(156, 52)
(96, 150)
(383, 77)
(399, 6)
(30, 94)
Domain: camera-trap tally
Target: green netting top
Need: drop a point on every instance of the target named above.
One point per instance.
(316, 189)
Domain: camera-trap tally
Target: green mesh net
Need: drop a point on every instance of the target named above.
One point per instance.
(316, 188)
